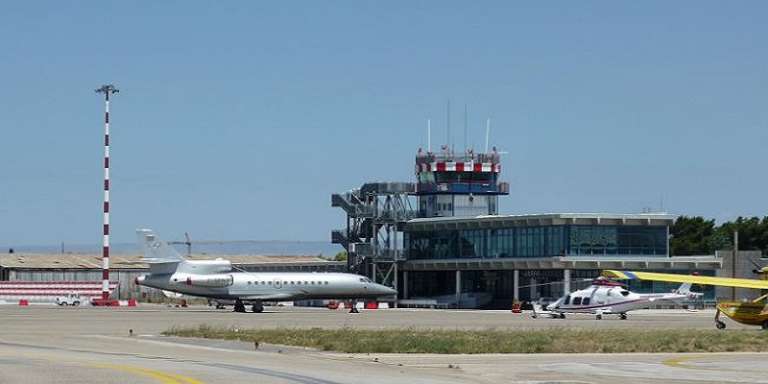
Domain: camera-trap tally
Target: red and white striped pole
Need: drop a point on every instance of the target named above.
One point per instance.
(106, 90)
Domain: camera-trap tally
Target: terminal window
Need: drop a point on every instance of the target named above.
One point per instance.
(537, 241)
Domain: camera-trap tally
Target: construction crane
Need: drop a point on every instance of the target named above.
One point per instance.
(187, 242)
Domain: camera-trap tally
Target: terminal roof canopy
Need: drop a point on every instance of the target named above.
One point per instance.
(496, 221)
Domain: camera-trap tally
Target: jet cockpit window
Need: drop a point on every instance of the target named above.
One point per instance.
(577, 301)
(625, 293)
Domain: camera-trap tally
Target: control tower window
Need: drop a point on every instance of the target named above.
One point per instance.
(464, 177)
(426, 177)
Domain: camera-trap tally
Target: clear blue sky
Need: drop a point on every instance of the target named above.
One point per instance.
(237, 120)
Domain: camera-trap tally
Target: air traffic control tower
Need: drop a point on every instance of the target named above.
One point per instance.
(450, 185)
(447, 185)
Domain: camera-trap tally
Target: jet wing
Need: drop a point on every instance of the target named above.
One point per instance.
(673, 278)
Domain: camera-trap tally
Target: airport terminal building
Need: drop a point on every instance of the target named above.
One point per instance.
(441, 240)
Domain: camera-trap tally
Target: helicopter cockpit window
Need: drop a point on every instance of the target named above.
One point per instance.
(567, 300)
(585, 301)
(624, 293)
(577, 301)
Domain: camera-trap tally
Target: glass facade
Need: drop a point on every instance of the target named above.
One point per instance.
(537, 241)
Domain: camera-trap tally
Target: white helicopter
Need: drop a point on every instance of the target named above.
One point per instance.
(605, 297)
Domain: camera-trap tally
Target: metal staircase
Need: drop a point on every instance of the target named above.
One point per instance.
(376, 215)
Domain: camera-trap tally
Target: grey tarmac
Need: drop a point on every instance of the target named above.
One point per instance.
(45, 344)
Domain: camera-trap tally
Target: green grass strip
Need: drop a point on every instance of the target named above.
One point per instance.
(493, 341)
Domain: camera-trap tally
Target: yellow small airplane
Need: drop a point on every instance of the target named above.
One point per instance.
(754, 312)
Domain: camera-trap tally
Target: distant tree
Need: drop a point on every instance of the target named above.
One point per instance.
(341, 256)
(698, 236)
(693, 236)
(719, 241)
(753, 232)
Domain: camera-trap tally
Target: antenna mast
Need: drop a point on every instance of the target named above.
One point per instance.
(466, 124)
(487, 133)
(448, 119)
(429, 135)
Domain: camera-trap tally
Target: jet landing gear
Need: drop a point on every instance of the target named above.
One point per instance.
(257, 307)
(719, 324)
(353, 308)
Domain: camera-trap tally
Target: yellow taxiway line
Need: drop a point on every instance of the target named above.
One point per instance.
(162, 377)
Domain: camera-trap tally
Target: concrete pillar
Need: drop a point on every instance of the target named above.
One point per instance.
(566, 281)
(405, 284)
(516, 285)
(373, 272)
(394, 281)
(458, 288)
(532, 286)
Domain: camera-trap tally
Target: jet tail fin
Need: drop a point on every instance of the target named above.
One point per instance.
(161, 257)
(685, 289)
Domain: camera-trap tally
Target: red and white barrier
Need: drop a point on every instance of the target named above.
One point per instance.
(48, 291)
(337, 305)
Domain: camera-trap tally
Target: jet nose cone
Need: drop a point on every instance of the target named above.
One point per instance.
(386, 291)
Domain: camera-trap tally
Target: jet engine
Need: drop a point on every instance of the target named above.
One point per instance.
(207, 266)
(209, 281)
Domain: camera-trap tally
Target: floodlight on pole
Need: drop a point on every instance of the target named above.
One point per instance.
(107, 90)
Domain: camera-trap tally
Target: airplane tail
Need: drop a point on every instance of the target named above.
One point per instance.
(537, 310)
(685, 289)
(161, 257)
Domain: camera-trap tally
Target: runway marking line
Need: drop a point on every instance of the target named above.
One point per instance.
(680, 362)
(162, 377)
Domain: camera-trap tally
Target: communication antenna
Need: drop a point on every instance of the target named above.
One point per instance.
(107, 90)
(487, 133)
(429, 135)
(448, 123)
(465, 127)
